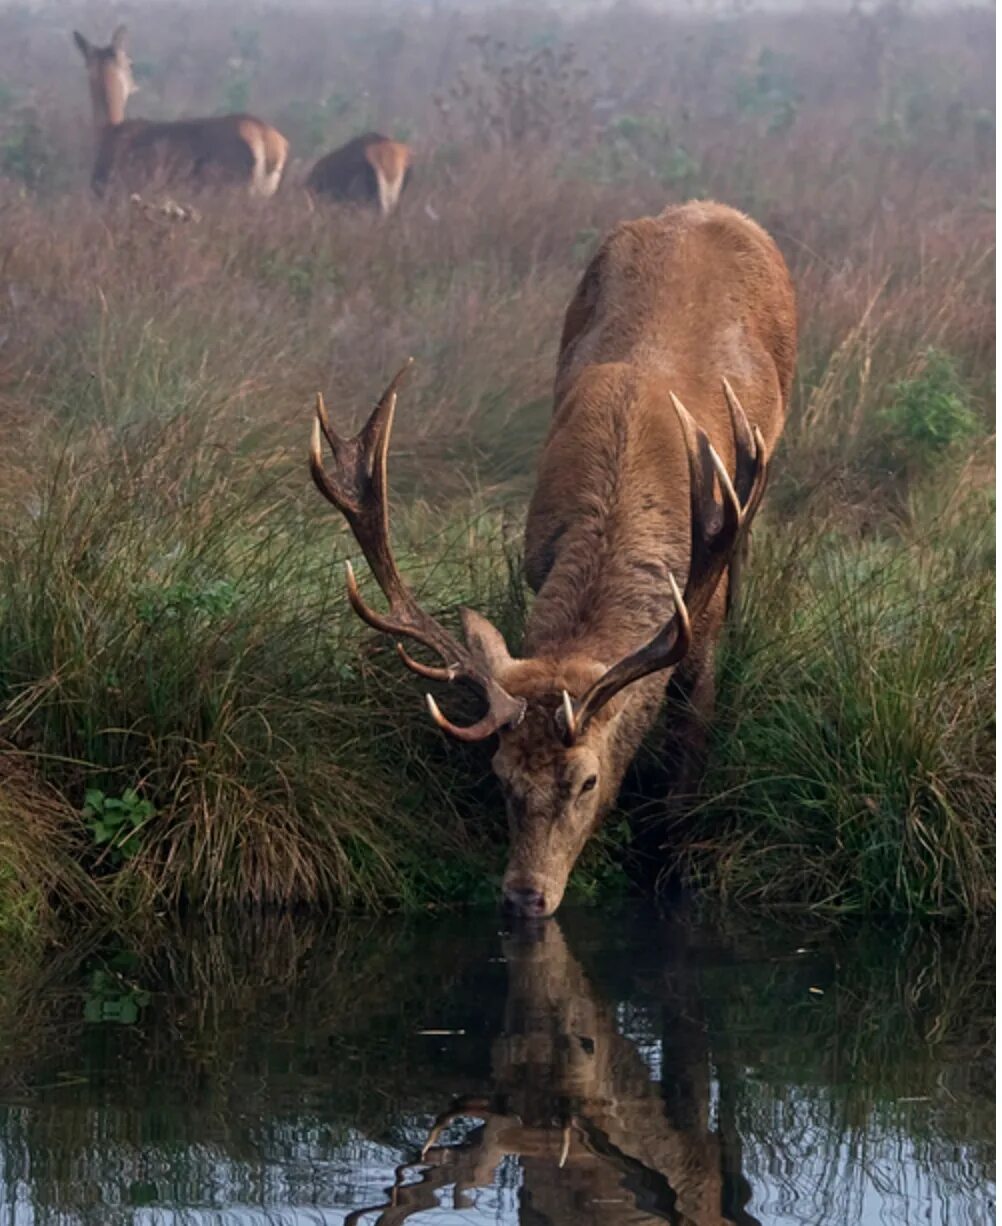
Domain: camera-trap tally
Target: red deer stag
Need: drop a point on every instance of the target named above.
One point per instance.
(674, 373)
(370, 169)
(214, 151)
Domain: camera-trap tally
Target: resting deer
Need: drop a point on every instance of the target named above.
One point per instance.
(370, 169)
(672, 383)
(599, 1143)
(218, 150)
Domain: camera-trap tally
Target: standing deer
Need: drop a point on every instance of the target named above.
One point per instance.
(633, 531)
(217, 150)
(370, 169)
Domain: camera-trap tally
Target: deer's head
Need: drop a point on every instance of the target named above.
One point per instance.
(109, 74)
(563, 724)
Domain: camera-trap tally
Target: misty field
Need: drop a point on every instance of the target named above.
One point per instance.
(188, 710)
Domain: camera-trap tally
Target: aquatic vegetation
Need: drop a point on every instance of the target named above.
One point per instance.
(116, 822)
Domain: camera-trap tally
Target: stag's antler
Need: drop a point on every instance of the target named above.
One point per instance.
(466, 1166)
(716, 531)
(358, 488)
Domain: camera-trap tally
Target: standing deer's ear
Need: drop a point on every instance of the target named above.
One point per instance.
(486, 641)
(82, 44)
(118, 40)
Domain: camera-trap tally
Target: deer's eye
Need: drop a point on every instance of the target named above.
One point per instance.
(588, 784)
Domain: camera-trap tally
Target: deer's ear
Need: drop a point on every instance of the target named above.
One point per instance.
(118, 40)
(487, 641)
(83, 45)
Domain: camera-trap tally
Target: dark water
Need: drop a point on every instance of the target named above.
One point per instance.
(607, 1069)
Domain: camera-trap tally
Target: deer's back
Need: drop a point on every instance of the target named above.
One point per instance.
(669, 304)
(223, 146)
(350, 171)
(699, 293)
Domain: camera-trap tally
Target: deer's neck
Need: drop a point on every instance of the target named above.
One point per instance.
(107, 98)
(603, 598)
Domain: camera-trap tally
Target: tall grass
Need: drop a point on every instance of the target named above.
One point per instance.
(171, 619)
(163, 632)
(853, 765)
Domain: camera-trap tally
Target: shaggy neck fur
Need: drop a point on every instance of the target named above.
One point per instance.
(602, 570)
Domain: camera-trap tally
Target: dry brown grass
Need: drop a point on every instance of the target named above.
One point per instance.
(40, 852)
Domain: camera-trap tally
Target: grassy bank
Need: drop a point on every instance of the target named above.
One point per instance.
(188, 712)
(853, 763)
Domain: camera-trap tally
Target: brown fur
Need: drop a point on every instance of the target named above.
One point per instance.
(371, 169)
(215, 151)
(674, 303)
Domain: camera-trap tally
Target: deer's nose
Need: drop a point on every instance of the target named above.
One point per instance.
(524, 900)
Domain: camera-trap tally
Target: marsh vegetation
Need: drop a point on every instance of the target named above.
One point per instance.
(188, 711)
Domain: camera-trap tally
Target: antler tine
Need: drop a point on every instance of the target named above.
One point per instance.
(426, 670)
(317, 471)
(715, 530)
(666, 648)
(746, 449)
(408, 1195)
(375, 434)
(358, 487)
(376, 620)
(714, 525)
(493, 721)
(751, 465)
(759, 482)
(463, 1107)
(568, 718)
(405, 1197)
(333, 438)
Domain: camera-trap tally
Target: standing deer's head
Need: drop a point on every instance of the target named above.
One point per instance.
(109, 73)
(562, 744)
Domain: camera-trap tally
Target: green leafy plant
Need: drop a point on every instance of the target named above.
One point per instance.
(931, 412)
(111, 996)
(179, 601)
(115, 822)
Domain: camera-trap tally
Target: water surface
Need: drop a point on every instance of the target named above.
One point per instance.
(603, 1070)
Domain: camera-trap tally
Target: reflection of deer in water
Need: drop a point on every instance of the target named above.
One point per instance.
(598, 1141)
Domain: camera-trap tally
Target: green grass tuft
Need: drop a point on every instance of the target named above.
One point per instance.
(853, 759)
